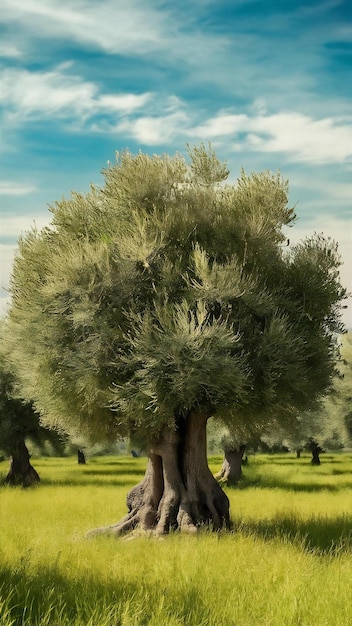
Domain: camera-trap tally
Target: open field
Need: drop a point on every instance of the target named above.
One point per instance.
(287, 562)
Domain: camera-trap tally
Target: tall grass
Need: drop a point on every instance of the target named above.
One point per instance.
(288, 561)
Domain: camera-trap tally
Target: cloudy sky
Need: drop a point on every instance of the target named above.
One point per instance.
(268, 83)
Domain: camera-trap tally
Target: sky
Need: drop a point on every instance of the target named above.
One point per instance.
(269, 84)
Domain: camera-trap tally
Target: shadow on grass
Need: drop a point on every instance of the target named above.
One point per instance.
(113, 471)
(125, 481)
(47, 596)
(317, 534)
(31, 597)
(264, 481)
(304, 462)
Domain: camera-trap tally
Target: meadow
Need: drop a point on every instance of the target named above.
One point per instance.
(286, 562)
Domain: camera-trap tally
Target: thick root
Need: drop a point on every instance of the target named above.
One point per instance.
(128, 523)
(173, 514)
(178, 491)
(26, 479)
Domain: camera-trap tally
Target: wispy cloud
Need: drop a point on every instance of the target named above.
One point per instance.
(332, 190)
(9, 50)
(155, 130)
(300, 138)
(303, 138)
(58, 93)
(13, 188)
(62, 94)
(14, 226)
(125, 26)
(187, 39)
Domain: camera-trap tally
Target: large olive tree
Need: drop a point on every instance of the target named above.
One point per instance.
(163, 298)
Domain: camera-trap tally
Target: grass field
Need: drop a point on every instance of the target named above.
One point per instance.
(287, 562)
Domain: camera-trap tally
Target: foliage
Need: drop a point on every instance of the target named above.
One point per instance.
(330, 424)
(341, 401)
(290, 545)
(18, 420)
(167, 291)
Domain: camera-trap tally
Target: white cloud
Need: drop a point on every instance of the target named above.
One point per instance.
(302, 138)
(14, 226)
(56, 93)
(334, 189)
(154, 130)
(320, 141)
(133, 28)
(127, 25)
(123, 102)
(9, 50)
(61, 94)
(13, 188)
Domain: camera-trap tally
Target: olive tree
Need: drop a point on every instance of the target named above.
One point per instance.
(234, 444)
(327, 427)
(163, 298)
(19, 422)
(341, 401)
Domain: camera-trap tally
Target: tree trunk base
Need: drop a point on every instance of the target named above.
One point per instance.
(178, 491)
(231, 470)
(21, 471)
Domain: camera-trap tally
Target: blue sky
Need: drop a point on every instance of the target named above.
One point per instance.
(268, 83)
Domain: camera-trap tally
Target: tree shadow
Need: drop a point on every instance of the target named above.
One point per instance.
(320, 535)
(312, 481)
(303, 461)
(277, 483)
(47, 595)
(123, 481)
(48, 591)
(113, 472)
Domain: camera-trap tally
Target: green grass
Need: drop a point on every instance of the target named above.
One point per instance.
(288, 561)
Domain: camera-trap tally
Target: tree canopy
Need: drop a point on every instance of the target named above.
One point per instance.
(169, 291)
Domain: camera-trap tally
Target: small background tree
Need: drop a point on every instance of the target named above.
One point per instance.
(20, 423)
(234, 446)
(328, 427)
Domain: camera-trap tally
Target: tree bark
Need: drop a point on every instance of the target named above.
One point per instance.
(231, 470)
(21, 471)
(178, 490)
(81, 458)
(316, 450)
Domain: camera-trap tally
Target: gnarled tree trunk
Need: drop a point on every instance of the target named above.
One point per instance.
(21, 471)
(178, 490)
(231, 470)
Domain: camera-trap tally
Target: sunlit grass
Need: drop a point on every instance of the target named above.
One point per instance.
(288, 561)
